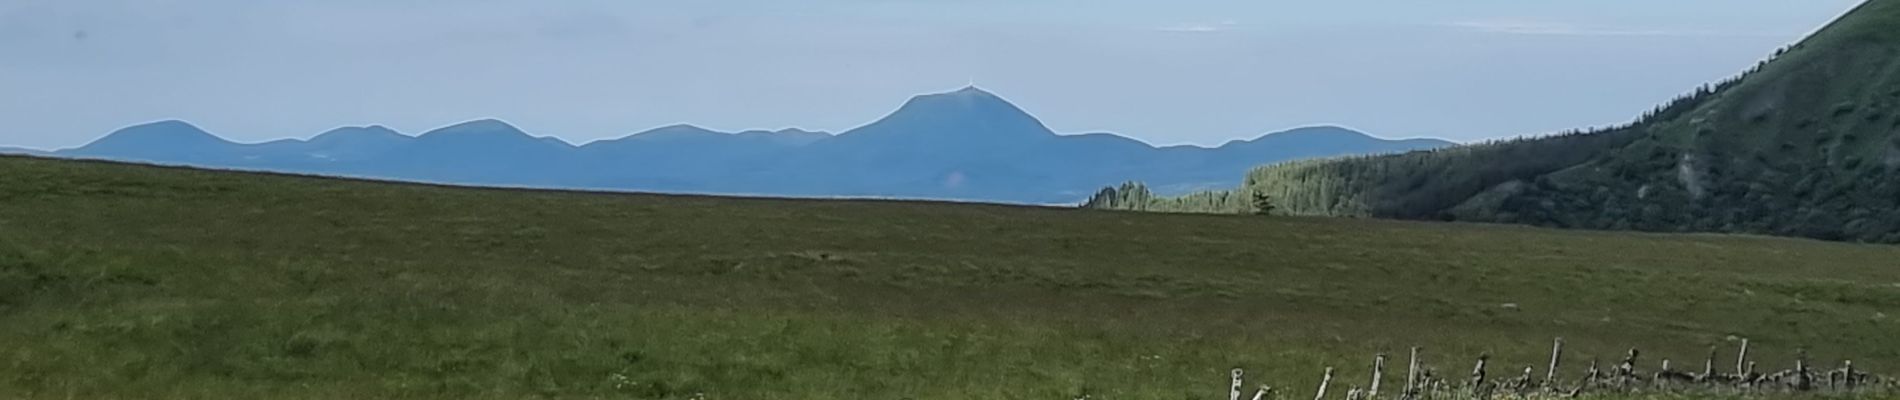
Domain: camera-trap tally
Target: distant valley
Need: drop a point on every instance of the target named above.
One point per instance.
(968, 144)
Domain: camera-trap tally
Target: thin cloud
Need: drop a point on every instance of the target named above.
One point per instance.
(1201, 27)
(1548, 28)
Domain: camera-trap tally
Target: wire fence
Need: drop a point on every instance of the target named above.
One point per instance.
(1625, 379)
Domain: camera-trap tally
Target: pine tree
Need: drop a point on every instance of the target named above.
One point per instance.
(1262, 203)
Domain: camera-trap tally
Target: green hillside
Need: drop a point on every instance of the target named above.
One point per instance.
(124, 281)
(1806, 144)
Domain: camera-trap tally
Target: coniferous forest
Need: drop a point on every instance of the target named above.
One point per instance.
(1802, 144)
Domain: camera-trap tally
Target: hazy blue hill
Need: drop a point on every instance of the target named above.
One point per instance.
(1112, 159)
(973, 144)
(354, 143)
(1184, 168)
(934, 132)
(484, 151)
(966, 118)
(170, 142)
(788, 136)
(334, 151)
(178, 142)
(25, 151)
(687, 158)
(1318, 141)
(1096, 158)
(967, 144)
(690, 138)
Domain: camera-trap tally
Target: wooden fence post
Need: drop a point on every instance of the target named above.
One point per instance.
(1264, 393)
(1625, 373)
(1847, 370)
(1802, 381)
(1708, 367)
(1233, 390)
(1323, 383)
(1411, 376)
(1592, 375)
(1556, 355)
(1425, 383)
(1378, 374)
(1477, 374)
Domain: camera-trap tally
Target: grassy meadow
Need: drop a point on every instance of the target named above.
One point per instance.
(125, 281)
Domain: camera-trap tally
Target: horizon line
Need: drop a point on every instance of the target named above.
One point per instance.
(650, 130)
(1229, 140)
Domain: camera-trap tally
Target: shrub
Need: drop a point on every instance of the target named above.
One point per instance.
(1844, 108)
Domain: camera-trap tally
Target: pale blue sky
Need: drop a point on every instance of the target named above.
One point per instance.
(1166, 72)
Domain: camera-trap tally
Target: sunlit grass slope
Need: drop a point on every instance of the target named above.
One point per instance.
(124, 281)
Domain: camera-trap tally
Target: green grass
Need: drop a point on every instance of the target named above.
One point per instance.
(121, 281)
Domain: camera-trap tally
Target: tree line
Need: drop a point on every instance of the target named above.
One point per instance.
(1704, 161)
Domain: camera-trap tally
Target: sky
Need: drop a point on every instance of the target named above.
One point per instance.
(1165, 72)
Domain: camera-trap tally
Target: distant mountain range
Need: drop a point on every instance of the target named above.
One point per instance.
(967, 145)
(17, 150)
